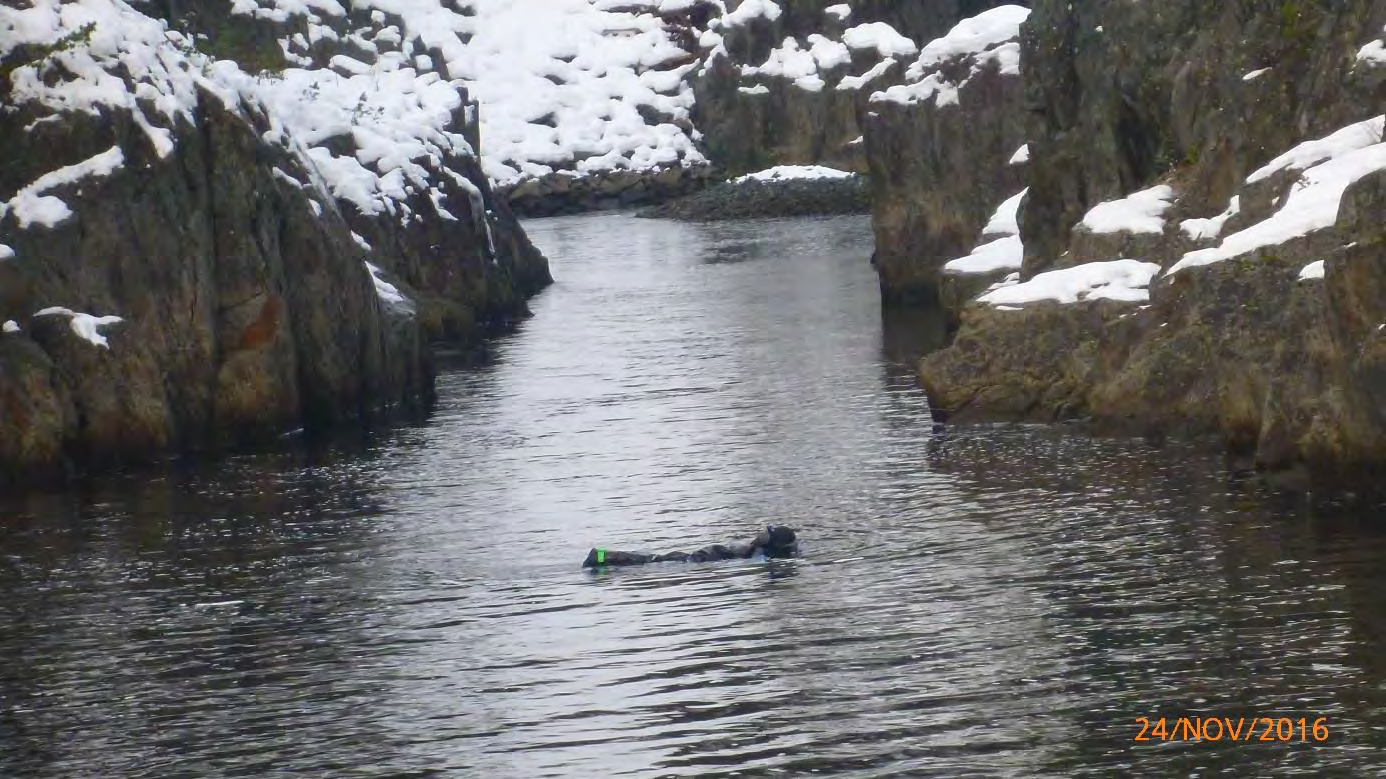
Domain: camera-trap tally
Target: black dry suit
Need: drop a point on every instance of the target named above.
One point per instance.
(773, 541)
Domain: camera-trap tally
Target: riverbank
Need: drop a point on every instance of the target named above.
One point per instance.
(785, 191)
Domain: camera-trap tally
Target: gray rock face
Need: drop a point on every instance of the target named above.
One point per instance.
(1254, 350)
(938, 171)
(237, 301)
(788, 125)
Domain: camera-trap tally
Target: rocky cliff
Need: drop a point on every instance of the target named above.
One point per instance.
(219, 222)
(592, 104)
(1199, 247)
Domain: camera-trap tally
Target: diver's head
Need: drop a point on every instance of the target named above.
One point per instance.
(779, 541)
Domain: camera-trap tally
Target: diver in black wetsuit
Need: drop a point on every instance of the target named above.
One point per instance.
(773, 541)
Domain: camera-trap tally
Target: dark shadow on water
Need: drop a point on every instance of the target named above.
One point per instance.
(908, 334)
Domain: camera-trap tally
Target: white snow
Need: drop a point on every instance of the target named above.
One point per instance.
(1374, 53)
(11, 326)
(32, 206)
(585, 70)
(6, 253)
(829, 53)
(840, 11)
(1355, 136)
(787, 61)
(794, 172)
(86, 326)
(1006, 252)
(1330, 165)
(1139, 212)
(1123, 280)
(752, 9)
(395, 116)
(857, 82)
(1313, 270)
(1005, 220)
(758, 89)
(990, 37)
(1255, 74)
(881, 37)
(1021, 156)
(1211, 227)
(388, 293)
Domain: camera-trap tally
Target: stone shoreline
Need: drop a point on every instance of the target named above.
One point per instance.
(781, 198)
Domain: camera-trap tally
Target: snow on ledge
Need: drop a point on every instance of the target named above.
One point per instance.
(1007, 253)
(1313, 270)
(840, 11)
(32, 206)
(795, 173)
(11, 326)
(991, 36)
(881, 37)
(1139, 212)
(1004, 253)
(1355, 136)
(1021, 156)
(388, 293)
(1121, 280)
(752, 9)
(1211, 227)
(1313, 201)
(6, 253)
(86, 326)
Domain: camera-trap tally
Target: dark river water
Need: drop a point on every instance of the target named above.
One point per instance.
(986, 601)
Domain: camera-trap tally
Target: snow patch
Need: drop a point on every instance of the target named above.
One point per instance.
(1021, 156)
(86, 326)
(1255, 74)
(1330, 165)
(1004, 253)
(31, 206)
(840, 11)
(881, 37)
(1211, 227)
(1374, 53)
(1139, 212)
(1355, 136)
(1121, 280)
(753, 9)
(6, 253)
(11, 326)
(795, 173)
(562, 83)
(857, 82)
(988, 38)
(388, 293)
(1005, 221)
(1314, 270)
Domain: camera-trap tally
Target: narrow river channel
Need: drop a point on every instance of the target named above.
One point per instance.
(987, 601)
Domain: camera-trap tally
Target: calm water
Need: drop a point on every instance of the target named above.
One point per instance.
(976, 602)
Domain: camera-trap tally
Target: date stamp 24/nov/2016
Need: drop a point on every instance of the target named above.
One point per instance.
(1281, 729)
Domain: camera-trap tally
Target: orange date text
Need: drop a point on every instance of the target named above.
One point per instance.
(1251, 729)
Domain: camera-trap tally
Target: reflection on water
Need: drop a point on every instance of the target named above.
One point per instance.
(973, 602)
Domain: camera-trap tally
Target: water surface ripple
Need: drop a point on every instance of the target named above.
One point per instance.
(993, 601)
